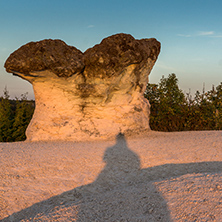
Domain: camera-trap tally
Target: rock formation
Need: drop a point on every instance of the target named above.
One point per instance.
(84, 96)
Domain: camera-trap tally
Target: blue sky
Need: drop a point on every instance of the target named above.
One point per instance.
(190, 32)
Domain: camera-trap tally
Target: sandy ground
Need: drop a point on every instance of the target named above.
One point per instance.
(154, 177)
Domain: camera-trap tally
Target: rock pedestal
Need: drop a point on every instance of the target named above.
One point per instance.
(85, 96)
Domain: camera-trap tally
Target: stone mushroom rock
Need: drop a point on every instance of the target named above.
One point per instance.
(85, 96)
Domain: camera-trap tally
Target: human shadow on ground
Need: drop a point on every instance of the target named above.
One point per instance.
(122, 191)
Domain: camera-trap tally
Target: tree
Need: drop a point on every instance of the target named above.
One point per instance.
(167, 104)
(6, 118)
(23, 115)
(216, 100)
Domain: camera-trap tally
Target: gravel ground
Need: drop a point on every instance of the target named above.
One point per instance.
(154, 177)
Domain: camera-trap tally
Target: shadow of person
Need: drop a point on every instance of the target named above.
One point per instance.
(116, 194)
(121, 164)
(122, 191)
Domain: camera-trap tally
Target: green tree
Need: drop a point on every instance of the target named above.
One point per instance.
(199, 114)
(6, 118)
(23, 115)
(167, 104)
(215, 97)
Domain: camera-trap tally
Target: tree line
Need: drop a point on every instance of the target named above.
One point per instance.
(171, 110)
(15, 116)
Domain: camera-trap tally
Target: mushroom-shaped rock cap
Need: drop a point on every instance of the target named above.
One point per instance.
(52, 55)
(117, 52)
(106, 59)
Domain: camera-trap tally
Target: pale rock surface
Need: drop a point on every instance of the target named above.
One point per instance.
(85, 96)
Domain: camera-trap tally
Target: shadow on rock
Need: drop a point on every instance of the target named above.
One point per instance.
(122, 191)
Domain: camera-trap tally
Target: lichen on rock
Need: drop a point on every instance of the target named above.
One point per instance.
(84, 96)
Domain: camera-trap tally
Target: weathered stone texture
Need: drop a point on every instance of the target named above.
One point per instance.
(84, 96)
(53, 55)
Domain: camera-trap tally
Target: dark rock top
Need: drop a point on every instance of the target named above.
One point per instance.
(47, 54)
(105, 59)
(118, 51)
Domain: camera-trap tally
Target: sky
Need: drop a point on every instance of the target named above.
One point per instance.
(190, 32)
